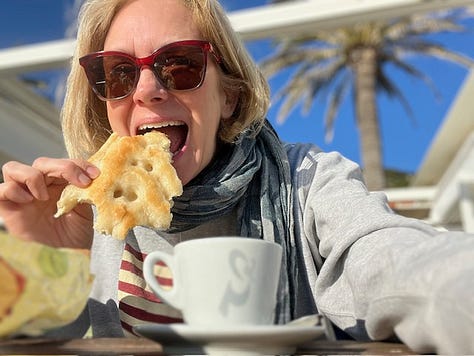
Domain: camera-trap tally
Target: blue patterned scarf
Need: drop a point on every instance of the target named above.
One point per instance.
(252, 176)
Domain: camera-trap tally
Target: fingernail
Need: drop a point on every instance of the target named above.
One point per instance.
(92, 171)
(84, 179)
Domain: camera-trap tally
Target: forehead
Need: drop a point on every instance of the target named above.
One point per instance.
(141, 26)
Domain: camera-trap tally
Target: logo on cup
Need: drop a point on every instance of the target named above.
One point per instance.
(238, 287)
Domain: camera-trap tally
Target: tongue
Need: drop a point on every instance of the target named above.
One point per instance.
(177, 136)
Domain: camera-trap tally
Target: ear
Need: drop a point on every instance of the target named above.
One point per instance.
(229, 104)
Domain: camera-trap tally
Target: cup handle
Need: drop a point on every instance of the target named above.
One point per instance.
(170, 296)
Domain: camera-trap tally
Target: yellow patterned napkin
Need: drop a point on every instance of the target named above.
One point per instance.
(41, 287)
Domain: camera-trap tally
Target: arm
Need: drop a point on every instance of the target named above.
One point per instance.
(384, 274)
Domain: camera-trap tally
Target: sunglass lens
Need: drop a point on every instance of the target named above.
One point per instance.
(112, 77)
(181, 67)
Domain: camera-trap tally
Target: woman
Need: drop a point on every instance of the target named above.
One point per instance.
(373, 273)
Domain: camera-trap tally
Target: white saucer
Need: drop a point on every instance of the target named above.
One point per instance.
(245, 340)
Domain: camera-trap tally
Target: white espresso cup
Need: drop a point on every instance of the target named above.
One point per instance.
(220, 281)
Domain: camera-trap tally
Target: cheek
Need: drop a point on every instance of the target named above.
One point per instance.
(211, 103)
(206, 126)
(117, 114)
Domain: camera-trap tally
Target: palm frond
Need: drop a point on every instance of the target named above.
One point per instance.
(411, 70)
(320, 79)
(438, 51)
(391, 89)
(429, 26)
(305, 85)
(294, 56)
(291, 95)
(335, 100)
(305, 73)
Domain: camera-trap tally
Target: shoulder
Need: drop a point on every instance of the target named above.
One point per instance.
(298, 151)
(301, 156)
(309, 159)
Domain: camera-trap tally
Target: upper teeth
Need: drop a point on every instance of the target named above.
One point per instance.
(158, 125)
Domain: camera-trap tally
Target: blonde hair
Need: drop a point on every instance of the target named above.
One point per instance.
(84, 116)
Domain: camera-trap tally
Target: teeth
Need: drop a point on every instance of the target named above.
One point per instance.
(159, 125)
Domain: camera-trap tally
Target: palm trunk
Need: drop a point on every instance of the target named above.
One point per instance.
(364, 67)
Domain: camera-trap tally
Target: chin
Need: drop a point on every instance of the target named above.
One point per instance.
(183, 173)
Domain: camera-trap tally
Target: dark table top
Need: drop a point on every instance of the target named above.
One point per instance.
(142, 346)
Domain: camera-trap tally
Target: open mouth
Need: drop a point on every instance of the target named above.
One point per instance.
(177, 131)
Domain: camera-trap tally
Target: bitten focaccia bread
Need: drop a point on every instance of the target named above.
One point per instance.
(136, 185)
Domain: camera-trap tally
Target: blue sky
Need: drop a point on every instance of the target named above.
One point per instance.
(405, 140)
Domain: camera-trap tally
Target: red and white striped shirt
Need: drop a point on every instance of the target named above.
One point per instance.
(137, 302)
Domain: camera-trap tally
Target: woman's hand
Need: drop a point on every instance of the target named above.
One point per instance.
(28, 200)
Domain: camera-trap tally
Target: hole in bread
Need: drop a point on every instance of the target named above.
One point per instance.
(131, 196)
(128, 195)
(148, 167)
(134, 163)
(118, 193)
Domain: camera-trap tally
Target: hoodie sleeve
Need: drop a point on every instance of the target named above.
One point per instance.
(381, 275)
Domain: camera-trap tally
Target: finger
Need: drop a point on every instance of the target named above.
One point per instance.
(59, 171)
(91, 170)
(26, 178)
(15, 193)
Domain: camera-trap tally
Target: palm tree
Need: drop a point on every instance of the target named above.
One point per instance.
(353, 59)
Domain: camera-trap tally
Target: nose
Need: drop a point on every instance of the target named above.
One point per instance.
(149, 89)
